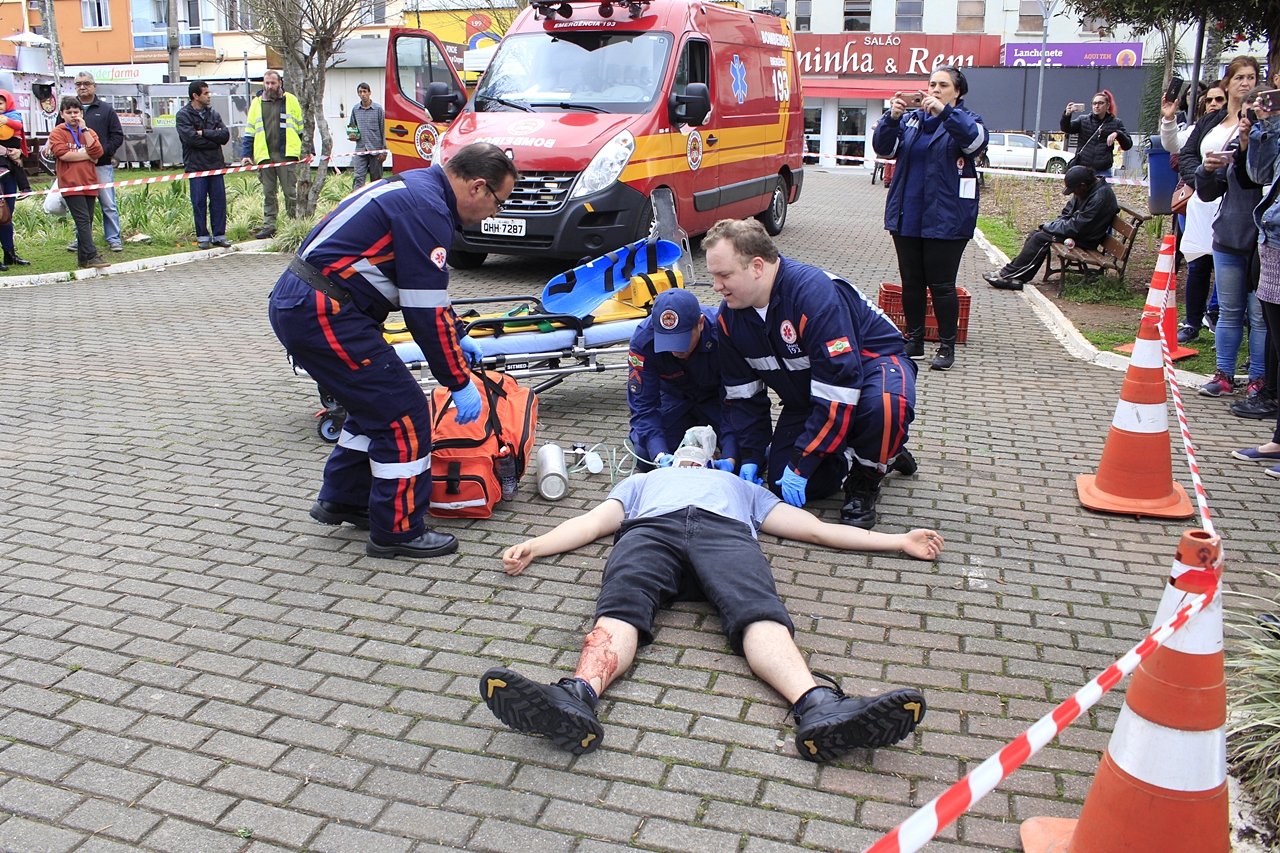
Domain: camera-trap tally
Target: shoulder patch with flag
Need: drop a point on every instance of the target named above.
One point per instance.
(635, 360)
(839, 346)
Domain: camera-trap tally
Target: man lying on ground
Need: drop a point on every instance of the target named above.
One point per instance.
(689, 533)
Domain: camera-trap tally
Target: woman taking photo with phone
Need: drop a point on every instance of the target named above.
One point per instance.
(1216, 131)
(1097, 133)
(932, 206)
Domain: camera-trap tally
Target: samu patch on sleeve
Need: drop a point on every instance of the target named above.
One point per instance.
(839, 346)
(636, 361)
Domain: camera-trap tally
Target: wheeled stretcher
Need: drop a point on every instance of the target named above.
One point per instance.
(528, 342)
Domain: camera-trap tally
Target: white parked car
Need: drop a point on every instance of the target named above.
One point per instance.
(1014, 150)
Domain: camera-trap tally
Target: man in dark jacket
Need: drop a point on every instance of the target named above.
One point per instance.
(1097, 133)
(101, 118)
(203, 134)
(1086, 220)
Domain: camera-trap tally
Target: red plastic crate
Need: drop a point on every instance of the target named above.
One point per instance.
(891, 305)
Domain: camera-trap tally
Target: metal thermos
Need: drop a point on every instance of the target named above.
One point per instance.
(553, 477)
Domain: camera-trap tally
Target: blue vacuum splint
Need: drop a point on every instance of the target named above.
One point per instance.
(582, 289)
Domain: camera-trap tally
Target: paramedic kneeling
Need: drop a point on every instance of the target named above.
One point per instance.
(673, 380)
(384, 249)
(833, 358)
(689, 534)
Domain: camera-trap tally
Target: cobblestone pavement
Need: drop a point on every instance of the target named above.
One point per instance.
(188, 664)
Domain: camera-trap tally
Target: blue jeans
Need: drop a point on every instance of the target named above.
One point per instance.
(107, 201)
(1234, 299)
(209, 193)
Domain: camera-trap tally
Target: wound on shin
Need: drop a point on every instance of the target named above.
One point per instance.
(599, 661)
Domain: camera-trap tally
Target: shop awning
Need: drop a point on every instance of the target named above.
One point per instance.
(857, 88)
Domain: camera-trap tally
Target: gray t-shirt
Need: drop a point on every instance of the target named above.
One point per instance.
(670, 489)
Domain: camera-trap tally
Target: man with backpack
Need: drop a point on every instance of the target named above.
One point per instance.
(385, 249)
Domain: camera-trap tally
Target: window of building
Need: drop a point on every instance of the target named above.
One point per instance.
(95, 14)
(149, 22)
(1029, 18)
(851, 132)
(909, 16)
(373, 12)
(1096, 26)
(804, 10)
(971, 16)
(857, 16)
(812, 133)
(239, 16)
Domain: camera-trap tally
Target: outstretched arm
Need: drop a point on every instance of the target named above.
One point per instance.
(788, 522)
(574, 533)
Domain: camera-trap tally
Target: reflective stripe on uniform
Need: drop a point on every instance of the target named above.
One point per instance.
(353, 442)
(400, 470)
(1168, 758)
(341, 217)
(801, 363)
(424, 298)
(977, 143)
(744, 391)
(458, 504)
(1141, 417)
(766, 363)
(836, 394)
(379, 280)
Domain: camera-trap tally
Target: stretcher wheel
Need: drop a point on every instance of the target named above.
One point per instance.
(329, 428)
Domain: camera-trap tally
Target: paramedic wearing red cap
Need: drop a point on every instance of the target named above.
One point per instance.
(835, 361)
(384, 249)
(674, 379)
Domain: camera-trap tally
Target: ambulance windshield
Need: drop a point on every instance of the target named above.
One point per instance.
(612, 72)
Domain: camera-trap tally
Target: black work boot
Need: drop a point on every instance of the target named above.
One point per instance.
(861, 490)
(829, 723)
(946, 356)
(904, 463)
(915, 343)
(331, 512)
(565, 711)
(429, 544)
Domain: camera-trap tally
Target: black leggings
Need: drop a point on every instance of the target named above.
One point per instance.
(925, 266)
(1271, 312)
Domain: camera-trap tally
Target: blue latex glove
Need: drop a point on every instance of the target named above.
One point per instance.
(748, 473)
(665, 460)
(723, 465)
(467, 401)
(793, 486)
(471, 350)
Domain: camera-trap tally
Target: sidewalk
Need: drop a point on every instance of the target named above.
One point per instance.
(189, 663)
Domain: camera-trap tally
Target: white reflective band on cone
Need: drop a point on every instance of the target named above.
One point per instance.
(1164, 263)
(1146, 353)
(1169, 758)
(353, 442)
(1141, 417)
(400, 470)
(1202, 635)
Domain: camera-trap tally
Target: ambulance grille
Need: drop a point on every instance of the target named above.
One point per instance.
(540, 193)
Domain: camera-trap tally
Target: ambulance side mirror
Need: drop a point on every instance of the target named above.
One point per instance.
(692, 107)
(442, 104)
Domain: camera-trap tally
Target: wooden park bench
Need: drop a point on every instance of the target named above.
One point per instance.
(1113, 254)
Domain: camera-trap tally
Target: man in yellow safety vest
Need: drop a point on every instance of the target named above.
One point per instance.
(274, 134)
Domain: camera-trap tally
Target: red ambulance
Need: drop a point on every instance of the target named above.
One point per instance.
(600, 103)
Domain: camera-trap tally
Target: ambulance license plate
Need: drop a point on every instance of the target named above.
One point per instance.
(503, 227)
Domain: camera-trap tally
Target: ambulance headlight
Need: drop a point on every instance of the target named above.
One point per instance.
(606, 166)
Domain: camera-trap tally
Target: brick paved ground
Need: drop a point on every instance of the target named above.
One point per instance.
(185, 658)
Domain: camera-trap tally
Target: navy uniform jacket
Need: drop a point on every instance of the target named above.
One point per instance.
(661, 384)
(811, 352)
(387, 244)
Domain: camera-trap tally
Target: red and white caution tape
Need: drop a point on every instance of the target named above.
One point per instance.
(1015, 173)
(919, 829)
(183, 176)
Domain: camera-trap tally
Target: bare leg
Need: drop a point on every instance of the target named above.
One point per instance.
(773, 655)
(607, 651)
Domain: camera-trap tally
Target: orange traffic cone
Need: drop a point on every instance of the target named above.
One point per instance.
(1162, 784)
(1135, 476)
(1165, 278)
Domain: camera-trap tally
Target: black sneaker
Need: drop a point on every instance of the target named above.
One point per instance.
(830, 723)
(1258, 407)
(915, 346)
(265, 234)
(563, 712)
(1001, 283)
(329, 512)
(1187, 334)
(945, 358)
(429, 544)
(905, 463)
(861, 490)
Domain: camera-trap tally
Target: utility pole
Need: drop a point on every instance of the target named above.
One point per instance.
(50, 28)
(1195, 68)
(175, 71)
(1046, 11)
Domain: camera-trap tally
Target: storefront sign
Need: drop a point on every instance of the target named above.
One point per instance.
(868, 53)
(454, 52)
(151, 72)
(1072, 53)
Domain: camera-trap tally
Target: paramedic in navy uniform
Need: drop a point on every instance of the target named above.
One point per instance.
(835, 361)
(673, 380)
(384, 249)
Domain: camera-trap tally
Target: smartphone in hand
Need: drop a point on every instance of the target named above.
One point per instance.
(1268, 100)
(1175, 90)
(912, 99)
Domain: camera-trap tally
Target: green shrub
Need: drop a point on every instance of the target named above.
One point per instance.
(1253, 738)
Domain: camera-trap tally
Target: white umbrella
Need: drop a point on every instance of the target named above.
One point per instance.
(28, 38)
